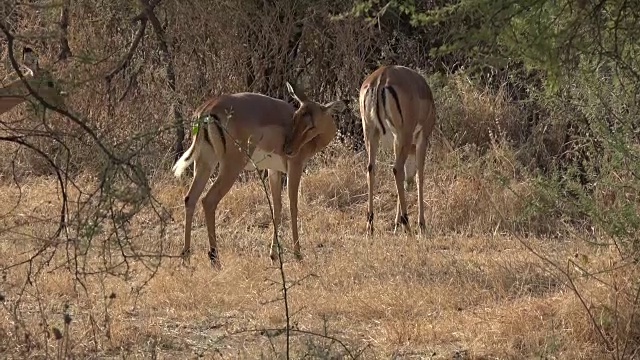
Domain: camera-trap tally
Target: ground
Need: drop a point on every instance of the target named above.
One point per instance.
(472, 293)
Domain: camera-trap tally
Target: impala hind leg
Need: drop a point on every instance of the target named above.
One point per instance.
(275, 184)
(401, 148)
(229, 172)
(421, 154)
(371, 140)
(202, 172)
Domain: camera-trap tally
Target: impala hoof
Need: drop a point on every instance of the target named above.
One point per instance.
(370, 224)
(423, 229)
(409, 184)
(405, 229)
(213, 258)
(185, 254)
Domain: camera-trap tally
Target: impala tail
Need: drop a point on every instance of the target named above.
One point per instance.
(208, 141)
(187, 158)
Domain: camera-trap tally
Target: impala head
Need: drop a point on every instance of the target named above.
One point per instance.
(310, 121)
(40, 80)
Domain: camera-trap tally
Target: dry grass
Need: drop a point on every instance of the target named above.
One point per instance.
(467, 291)
(470, 115)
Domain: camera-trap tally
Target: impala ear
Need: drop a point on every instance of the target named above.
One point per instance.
(335, 106)
(296, 93)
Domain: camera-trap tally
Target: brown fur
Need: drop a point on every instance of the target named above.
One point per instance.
(251, 123)
(397, 100)
(14, 92)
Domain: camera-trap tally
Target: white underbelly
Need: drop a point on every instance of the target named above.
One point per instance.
(265, 160)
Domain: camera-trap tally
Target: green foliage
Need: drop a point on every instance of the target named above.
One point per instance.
(558, 37)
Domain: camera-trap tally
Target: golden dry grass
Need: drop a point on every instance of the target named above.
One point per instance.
(468, 291)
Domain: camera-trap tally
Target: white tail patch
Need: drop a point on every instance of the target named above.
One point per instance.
(266, 160)
(182, 164)
(186, 159)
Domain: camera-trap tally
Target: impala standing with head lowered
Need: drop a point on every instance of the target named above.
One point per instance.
(396, 104)
(15, 92)
(248, 130)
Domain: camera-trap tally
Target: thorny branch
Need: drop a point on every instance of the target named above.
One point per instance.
(83, 124)
(121, 168)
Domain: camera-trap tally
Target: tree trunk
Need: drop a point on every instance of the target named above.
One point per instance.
(170, 71)
(65, 50)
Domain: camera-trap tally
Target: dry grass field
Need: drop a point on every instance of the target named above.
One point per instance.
(469, 290)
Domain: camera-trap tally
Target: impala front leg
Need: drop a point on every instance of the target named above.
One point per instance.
(293, 183)
(275, 183)
(371, 141)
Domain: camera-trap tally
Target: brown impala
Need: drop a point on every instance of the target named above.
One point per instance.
(14, 92)
(248, 130)
(396, 104)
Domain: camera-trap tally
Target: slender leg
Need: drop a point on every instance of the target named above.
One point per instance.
(293, 183)
(421, 153)
(410, 170)
(275, 184)
(202, 172)
(402, 147)
(229, 172)
(398, 207)
(372, 140)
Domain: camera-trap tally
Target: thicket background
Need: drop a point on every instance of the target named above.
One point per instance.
(537, 118)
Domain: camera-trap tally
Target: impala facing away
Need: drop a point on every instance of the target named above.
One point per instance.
(397, 104)
(14, 92)
(273, 133)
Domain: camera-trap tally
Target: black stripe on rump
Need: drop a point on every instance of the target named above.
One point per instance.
(377, 109)
(220, 130)
(395, 97)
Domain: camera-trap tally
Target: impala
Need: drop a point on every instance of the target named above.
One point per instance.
(396, 103)
(14, 92)
(247, 131)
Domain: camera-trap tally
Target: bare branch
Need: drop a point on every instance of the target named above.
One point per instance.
(170, 71)
(65, 50)
(132, 49)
